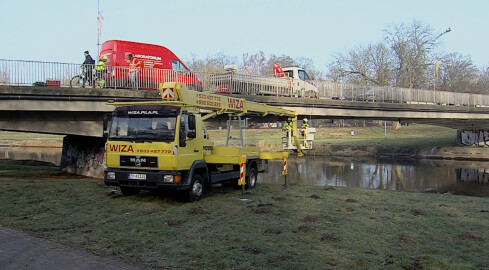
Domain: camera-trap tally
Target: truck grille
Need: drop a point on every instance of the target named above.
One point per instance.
(139, 161)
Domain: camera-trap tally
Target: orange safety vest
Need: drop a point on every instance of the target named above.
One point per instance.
(133, 65)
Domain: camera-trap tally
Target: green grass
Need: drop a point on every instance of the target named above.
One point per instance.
(302, 227)
(9, 135)
(413, 135)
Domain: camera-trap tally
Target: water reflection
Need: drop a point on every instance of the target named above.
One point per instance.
(467, 178)
(455, 177)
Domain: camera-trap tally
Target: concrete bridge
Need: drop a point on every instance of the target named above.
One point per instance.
(79, 111)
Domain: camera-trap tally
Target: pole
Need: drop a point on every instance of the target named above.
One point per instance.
(284, 170)
(99, 27)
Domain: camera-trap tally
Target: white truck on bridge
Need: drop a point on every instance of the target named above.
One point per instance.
(289, 81)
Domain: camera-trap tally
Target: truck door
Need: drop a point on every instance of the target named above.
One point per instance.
(190, 146)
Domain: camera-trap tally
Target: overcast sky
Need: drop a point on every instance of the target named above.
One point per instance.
(60, 30)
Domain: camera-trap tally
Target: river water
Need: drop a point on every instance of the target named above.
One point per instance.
(455, 177)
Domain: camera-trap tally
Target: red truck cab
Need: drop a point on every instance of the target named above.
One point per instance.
(158, 64)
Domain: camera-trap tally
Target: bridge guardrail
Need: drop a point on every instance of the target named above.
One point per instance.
(19, 72)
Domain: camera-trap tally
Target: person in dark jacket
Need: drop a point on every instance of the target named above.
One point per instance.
(87, 68)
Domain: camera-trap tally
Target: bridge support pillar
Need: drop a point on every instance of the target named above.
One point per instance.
(83, 155)
(473, 137)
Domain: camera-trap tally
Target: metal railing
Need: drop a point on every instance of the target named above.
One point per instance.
(16, 72)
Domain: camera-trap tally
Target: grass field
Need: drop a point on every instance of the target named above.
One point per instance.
(301, 227)
(413, 135)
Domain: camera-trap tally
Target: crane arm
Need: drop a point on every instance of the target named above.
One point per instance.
(175, 94)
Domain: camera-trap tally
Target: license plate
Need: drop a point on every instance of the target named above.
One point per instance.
(137, 176)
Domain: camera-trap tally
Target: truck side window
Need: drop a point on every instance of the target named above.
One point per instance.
(289, 74)
(178, 66)
(182, 136)
(303, 75)
(191, 132)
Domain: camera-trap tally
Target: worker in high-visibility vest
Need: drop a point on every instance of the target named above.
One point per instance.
(134, 66)
(304, 126)
(100, 69)
(287, 126)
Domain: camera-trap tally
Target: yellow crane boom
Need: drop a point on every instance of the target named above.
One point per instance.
(176, 94)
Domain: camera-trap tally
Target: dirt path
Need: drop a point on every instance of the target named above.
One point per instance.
(19, 250)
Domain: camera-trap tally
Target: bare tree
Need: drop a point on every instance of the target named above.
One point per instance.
(483, 81)
(411, 46)
(212, 64)
(255, 63)
(381, 60)
(371, 65)
(459, 74)
(284, 61)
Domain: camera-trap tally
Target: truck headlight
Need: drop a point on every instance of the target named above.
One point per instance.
(167, 178)
(111, 175)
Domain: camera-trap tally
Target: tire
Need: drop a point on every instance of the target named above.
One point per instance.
(251, 179)
(129, 191)
(76, 81)
(196, 190)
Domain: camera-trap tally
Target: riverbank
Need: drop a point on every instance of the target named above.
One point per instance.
(411, 142)
(406, 152)
(301, 227)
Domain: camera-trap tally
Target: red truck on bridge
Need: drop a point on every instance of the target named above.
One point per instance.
(158, 64)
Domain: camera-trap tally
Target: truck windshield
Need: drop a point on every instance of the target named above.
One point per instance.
(303, 75)
(143, 128)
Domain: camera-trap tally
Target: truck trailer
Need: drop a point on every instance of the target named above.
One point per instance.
(289, 82)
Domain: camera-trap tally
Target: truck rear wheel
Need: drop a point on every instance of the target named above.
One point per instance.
(129, 191)
(196, 190)
(251, 178)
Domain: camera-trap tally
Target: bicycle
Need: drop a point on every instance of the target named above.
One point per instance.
(77, 80)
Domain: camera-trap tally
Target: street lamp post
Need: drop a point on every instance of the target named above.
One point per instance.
(437, 62)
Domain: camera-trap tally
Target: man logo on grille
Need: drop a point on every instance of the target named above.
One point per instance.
(137, 161)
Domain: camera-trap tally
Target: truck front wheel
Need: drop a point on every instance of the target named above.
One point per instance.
(196, 191)
(251, 178)
(129, 191)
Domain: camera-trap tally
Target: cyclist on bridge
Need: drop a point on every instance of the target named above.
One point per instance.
(87, 68)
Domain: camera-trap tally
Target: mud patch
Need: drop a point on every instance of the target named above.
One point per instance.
(310, 219)
(197, 211)
(409, 240)
(469, 236)
(417, 264)
(173, 223)
(114, 194)
(329, 237)
(272, 231)
(351, 201)
(263, 211)
(38, 200)
(387, 261)
(314, 196)
(250, 250)
(417, 212)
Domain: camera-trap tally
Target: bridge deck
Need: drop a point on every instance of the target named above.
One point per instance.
(62, 110)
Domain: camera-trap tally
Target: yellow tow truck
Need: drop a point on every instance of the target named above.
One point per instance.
(164, 144)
